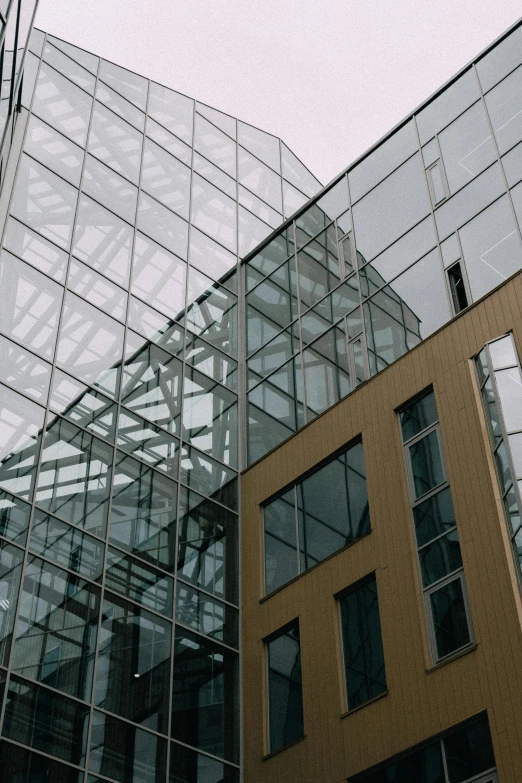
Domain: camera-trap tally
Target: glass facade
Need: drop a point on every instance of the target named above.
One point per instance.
(119, 431)
(285, 691)
(426, 223)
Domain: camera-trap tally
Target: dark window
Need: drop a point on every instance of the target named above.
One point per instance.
(457, 287)
(285, 695)
(362, 643)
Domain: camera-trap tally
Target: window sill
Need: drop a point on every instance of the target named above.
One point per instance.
(285, 747)
(364, 704)
(459, 654)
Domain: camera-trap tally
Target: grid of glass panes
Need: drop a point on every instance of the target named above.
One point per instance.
(438, 546)
(16, 18)
(317, 516)
(463, 755)
(430, 221)
(285, 687)
(500, 381)
(119, 422)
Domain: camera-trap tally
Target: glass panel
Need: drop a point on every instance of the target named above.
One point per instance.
(332, 507)
(172, 110)
(62, 104)
(11, 559)
(509, 385)
(103, 241)
(210, 417)
(210, 257)
(187, 766)
(97, 290)
(67, 546)
(207, 546)
(512, 163)
(469, 201)
(211, 362)
(31, 305)
(36, 250)
(146, 442)
(431, 152)
(25, 766)
(448, 105)
(504, 105)
(128, 83)
(163, 225)
(469, 751)
(20, 423)
(90, 344)
(44, 202)
(169, 142)
(391, 209)
(450, 249)
(280, 540)
(215, 145)
(86, 59)
(362, 644)
(223, 121)
(55, 638)
(271, 306)
(14, 518)
(415, 244)
(285, 697)
(212, 312)
(24, 371)
(335, 201)
(426, 464)
(46, 721)
(262, 145)
(36, 41)
(165, 178)
(503, 353)
(500, 61)
(123, 752)
(64, 64)
(109, 189)
(440, 558)
(115, 142)
(419, 415)
(293, 199)
(216, 176)
(205, 695)
(392, 328)
(83, 406)
(138, 581)
(133, 673)
(155, 327)
(449, 618)
(382, 161)
(259, 208)
(202, 473)
(74, 479)
(259, 179)
(251, 231)
(318, 265)
(206, 615)
(434, 516)
(152, 387)
(437, 183)
(491, 248)
(120, 106)
(297, 174)
(467, 147)
(264, 432)
(213, 212)
(31, 65)
(158, 277)
(57, 152)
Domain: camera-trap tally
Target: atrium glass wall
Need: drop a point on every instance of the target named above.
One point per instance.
(119, 422)
(426, 223)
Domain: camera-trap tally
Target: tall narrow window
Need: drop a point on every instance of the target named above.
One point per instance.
(437, 183)
(363, 654)
(500, 382)
(440, 561)
(457, 288)
(322, 513)
(285, 694)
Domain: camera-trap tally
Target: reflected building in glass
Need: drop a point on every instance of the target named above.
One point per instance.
(194, 332)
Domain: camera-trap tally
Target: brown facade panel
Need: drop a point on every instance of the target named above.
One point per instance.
(422, 700)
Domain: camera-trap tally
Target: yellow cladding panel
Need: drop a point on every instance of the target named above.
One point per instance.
(421, 701)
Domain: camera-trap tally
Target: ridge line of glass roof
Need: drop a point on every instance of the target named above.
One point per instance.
(288, 221)
(173, 89)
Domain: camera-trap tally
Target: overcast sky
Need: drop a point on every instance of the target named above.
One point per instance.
(329, 77)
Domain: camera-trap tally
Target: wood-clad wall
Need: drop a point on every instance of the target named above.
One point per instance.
(421, 701)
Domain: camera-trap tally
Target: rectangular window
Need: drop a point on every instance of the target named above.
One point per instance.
(500, 381)
(316, 517)
(438, 547)
(437, 183)
(462, 755)
(363, 654)
(457, 287)
(285, 693)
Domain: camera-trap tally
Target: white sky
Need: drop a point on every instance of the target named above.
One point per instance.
(329, 77)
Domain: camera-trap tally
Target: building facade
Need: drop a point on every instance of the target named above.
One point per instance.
(260, 512)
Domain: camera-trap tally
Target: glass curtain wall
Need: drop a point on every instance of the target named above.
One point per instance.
(425, 224)
(119, 422)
